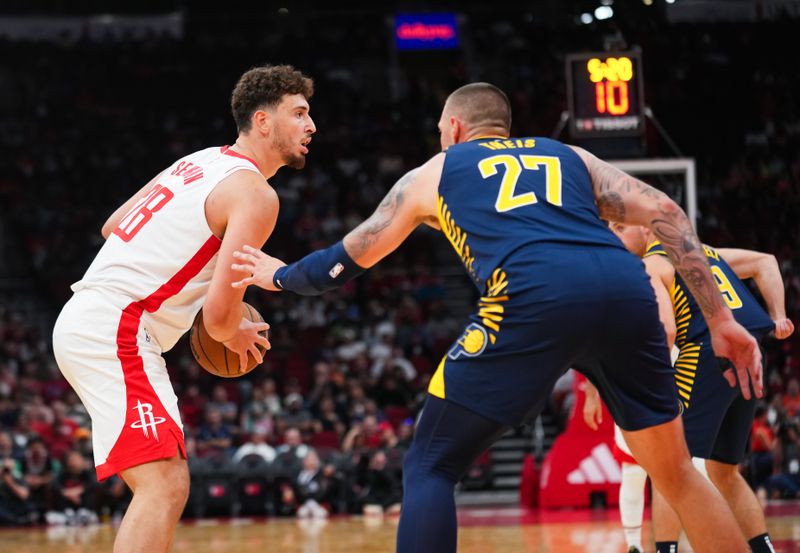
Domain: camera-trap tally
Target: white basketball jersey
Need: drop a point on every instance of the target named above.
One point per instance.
(162, 254)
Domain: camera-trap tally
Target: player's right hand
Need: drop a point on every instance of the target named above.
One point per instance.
(259, 266)
(731, 341)
(247, 339)
(783, 328)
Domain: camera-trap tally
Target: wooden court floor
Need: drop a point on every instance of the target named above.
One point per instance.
(506, 530)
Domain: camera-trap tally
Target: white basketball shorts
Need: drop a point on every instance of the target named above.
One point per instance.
(114, 364)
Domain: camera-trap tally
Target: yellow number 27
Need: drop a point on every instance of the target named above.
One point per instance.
(507, 198)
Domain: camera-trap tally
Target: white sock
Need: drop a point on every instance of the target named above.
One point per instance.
(631, 503)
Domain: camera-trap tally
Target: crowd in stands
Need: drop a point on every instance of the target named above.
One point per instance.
(322, 426)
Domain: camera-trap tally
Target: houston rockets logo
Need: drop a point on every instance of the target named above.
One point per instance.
(146, 419)
(472, 342)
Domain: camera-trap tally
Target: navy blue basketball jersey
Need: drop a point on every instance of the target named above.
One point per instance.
(498, 197)
(691, 325)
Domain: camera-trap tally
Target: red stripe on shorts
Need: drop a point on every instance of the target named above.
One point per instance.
(623, 457)
(149, 432)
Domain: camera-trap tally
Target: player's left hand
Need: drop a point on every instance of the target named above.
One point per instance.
(260, 266)
(783, 328)
(731, 341)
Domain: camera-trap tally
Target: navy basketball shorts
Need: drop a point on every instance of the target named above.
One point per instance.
(716, 418)
(588, 308)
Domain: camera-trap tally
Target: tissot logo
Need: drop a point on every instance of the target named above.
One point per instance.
(146, 419)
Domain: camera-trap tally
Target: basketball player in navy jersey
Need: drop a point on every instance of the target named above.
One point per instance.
(558, 289)
(716, 420)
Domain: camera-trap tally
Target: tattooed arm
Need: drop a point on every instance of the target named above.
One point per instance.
(411, 201)
(625, 199)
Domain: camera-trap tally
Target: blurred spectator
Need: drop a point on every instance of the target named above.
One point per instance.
(256, 446)
(315, 487)
(215, 436)
(75, 493)
(220, 402)
(791, 400)
(380, 486)
(39, 471)
(289, 455)
(14, 494)
(396, 360)
(272, 401)
(256, 415)
(295, 414)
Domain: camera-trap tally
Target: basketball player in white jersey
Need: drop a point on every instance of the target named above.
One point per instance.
(168, 252)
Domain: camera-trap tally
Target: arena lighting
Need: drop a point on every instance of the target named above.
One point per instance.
(586, 18)
(670, 1)
(648, 2)
(604, 12)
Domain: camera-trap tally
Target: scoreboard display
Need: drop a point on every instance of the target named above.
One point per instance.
(605, 94)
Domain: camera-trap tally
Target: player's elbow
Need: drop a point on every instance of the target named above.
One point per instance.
(106, 230)
(767, 263)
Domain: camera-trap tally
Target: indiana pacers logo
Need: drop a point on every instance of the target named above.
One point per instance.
(146, 419)
(472, 342)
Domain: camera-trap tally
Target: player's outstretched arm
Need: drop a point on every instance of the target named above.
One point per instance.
(764, 269)
(625, 199)
(411, 201)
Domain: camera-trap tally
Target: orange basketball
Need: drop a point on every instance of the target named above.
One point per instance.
(213, 356)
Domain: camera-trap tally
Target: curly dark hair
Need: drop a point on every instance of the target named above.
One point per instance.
(264, 87)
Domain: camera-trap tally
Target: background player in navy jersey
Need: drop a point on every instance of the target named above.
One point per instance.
(558, 289)
(716, 419)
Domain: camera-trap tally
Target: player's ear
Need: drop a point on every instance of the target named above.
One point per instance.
(262, 121)
(456, 129)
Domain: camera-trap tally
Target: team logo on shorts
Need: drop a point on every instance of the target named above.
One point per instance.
(472, 342)
(146, 419)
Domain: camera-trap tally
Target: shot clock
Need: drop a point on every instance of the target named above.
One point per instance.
(605, 94)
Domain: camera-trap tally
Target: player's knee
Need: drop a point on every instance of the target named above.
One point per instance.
(672, 476)
(723, 475)
(169, 488)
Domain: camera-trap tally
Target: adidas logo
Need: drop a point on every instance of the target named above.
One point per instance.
(599, 467)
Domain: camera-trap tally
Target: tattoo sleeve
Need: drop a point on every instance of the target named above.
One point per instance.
(367, 233)
(625, 199)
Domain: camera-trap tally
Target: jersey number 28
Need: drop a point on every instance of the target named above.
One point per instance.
(507, 199)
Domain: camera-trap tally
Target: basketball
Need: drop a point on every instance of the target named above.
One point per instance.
(213, 356)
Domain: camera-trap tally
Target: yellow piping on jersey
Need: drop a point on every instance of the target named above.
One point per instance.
(683, 315)
(455, 235)
(686, 371)
(649, 251)
(490, 306)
